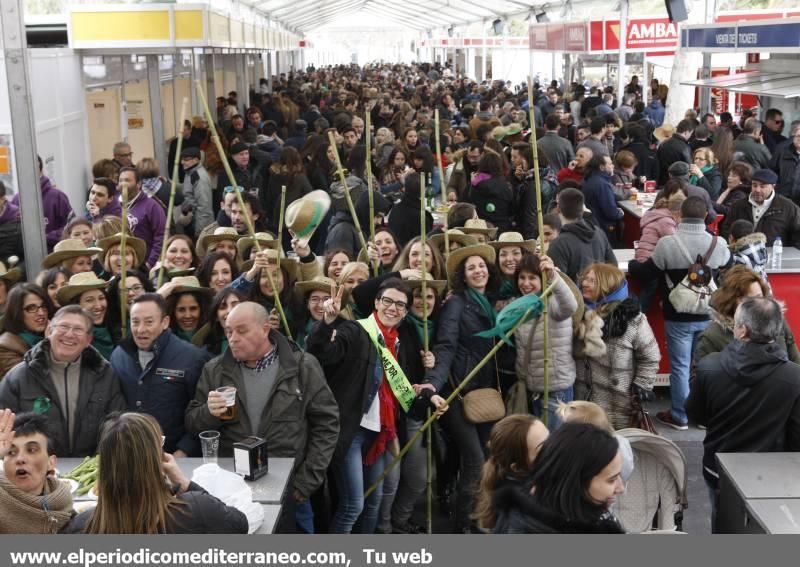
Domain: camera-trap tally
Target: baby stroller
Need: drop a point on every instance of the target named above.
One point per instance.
(655, 496)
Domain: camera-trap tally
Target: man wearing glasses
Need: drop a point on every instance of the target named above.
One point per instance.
(366, 370)
(123, 155)
(67, 380)
(773, 133)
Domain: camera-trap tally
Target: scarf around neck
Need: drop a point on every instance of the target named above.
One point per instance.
(23, 513)
(481, 300)
(388, 403)
(31, 339)
(617, 295)
(103, 342)
(420, 328)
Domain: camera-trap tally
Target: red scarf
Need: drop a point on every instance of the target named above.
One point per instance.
(386, 399)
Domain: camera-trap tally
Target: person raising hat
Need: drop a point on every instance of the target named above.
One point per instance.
(771, 213)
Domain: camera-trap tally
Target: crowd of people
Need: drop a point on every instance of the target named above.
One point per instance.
(318, 318)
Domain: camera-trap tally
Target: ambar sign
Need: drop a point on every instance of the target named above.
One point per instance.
(643, 34)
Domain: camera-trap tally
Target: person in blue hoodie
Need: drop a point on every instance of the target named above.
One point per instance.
(655, 112)
(599, 194)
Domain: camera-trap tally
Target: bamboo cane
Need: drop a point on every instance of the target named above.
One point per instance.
(175, 170)
(498, 345)
(429, 510)
(347, 197)
(441, 180)
(280, 220)
(123, 289)
(538, 188)
(425, 341)
(248, 220)
(367, 120)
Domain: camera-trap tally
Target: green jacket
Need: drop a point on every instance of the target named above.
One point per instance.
(300, 420)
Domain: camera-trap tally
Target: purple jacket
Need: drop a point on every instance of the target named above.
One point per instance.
(146, 219)
(10, 214)
(113, 208)
(56, 210)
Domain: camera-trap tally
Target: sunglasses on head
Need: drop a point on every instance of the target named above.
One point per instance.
(231, 189)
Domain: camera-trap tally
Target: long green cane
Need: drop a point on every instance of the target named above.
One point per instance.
(441, 180)
(123, 289)
(368, 127)
(346, 190)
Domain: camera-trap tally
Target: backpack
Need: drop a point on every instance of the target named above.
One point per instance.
(693, 293)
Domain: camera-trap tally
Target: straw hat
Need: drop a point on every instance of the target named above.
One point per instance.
(265, 239)
(508, 239)
(457, 256)
(77, 284)
(13, 275)
(66, 249)
(499, 132)
(513, 128)
(453, 235)
(183, 284)
(304, 215)
(290, 265)
(138, 245)
(478, 226)
(437, 285)
(220, 233)
(664, 132)
(319, 283)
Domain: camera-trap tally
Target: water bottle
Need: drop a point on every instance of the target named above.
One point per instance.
(777, 253)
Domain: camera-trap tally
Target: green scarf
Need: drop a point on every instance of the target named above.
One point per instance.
(102, 341)
(31, 339)
(185, 335)
(417, 322)
(304, 332)
(705, 169)
(507, 290)
(223, 346)
(481, 300)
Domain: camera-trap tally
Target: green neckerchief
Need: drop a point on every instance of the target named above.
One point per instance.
(185, 335)
(223, 346)
(31, 339)
(356, 313)
(304, 332)
(481, 300)
(102, 341)
(384, 269)
(507, 290)
(417, 322)
(705, 169)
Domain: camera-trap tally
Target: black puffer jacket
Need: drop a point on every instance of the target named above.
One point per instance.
(494, 202)
(670, 151)
(458, 350)
(198, 513)
(517, 513)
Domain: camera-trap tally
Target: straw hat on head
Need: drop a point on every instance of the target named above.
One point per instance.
(453, 235)
(664, 132)
(457, 256)
(12, 275)
(139, 246)
(183, 284)
(220, 233)
(77, 284)
(290, 265)
(66, 249)
(246, 243)
(304, 215)
(319, 283)
(437, 285)
(508, 239)
(478, 226)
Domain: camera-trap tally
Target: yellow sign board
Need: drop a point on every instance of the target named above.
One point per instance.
(121, 26)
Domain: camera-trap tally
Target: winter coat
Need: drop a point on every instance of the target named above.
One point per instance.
(748, 397)
(251, 178)
(789, 173)
(98, 395)
(655, 112)
(494, 202)
(782, 218)
(647, 159)
(518, 513)
(300, 419)
(655, 225)
(146, 220)
(578, 245)
(165, 387)
(711, 181)
(270, 198)
(404, 220)
(12, 349)
(56, 211)
(598, 193)
(342, 232)
(630, 356)
(751, 251)
(736, 194)
(752, 151)
(198, 192)
(198, 513)
(556, 149)
(720, 333)
(561, 307)
(670, 264)
(525, 206)
(670, 151)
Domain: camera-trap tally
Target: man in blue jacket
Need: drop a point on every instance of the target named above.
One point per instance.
(159, 372)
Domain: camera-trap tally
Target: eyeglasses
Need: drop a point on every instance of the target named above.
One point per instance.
(65, 329)
(388, 302)
(135, 288)
(34, 308)
(129, 154)
(317, 300)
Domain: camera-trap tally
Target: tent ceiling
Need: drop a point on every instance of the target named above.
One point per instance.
(307, 15)
(766, 83)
